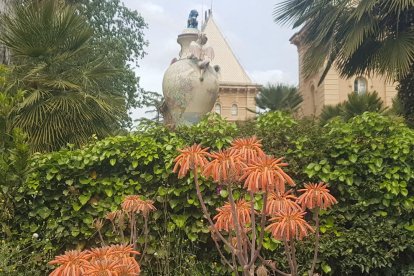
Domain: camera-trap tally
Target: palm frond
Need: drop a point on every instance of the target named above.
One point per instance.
(279, 97)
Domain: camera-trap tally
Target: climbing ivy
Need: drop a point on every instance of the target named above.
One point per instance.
(368, 162)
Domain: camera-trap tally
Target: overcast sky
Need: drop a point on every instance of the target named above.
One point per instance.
(262, 47)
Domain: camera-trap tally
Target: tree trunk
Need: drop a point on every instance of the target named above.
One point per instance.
(4, 52)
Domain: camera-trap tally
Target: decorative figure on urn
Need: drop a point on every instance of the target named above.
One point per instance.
(190, 84)
(192, 19)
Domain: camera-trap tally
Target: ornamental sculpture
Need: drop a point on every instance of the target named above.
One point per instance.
(190, 84)
(192, 19)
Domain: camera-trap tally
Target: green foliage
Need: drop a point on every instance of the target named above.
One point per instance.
(118, 35)
(72, 187)
(405, 96)
(155, 101)
(62, 77)
(212, 131)
(355, 37)
(22, 261)
(14, 154)
(367, 161)
(356, 104)
(279, 97)
(271, 120)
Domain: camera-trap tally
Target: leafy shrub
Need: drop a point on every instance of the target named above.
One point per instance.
(367, 160)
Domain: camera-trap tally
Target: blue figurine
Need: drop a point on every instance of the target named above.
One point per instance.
(192, 20)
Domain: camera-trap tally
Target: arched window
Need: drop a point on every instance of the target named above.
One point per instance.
(234, 110)
(217, 108)
(360, 85)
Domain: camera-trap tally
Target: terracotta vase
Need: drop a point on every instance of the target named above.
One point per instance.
(188, 95)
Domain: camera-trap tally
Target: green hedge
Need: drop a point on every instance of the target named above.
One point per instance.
(368, 162)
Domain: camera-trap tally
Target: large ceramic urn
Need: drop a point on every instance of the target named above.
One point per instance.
(190, 84)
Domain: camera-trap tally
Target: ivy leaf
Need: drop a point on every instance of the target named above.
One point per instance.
(112, 161)
(326, 268)
(44, 212)
(180, 220)
(353, 158)
(76, 206)
(174, 203)
(49, 176)
(224, 193)
(108, 192)
(84, 199)
(135, 164)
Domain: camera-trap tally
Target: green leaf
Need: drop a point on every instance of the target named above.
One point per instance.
(174, 203)
(326, 268)
(378, 162)
(84, 199)
(44, 212)
(109, 192)
(112, 161)
(180, 220)
(76, 206)
(135, 164)
(409, 227)
(49, 176)
(353, 158)
(224, 193)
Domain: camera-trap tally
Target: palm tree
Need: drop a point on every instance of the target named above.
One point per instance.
(356, 104)
(52, 62)
(279, 97)
(356, 38)
(4, 52)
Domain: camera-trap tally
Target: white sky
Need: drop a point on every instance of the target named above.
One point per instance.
(262, 47)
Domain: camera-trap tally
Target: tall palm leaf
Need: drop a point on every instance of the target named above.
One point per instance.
(51, 61)
(355, 37)
(279, 97)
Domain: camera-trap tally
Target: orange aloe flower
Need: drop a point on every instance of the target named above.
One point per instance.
(289, 224)
(226, 166)
(225, 217)
(277, 202)
(250, 148)
(190, 158)
(103, 268)
(122, 250)
(115, 215)
(100, 253)
(128, 269)
(72, 263)
(134, 204)
(265, 174)
(316, 195)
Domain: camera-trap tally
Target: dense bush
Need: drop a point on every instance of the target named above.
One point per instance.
(367, 160)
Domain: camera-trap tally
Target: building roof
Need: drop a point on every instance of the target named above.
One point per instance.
(230, 67)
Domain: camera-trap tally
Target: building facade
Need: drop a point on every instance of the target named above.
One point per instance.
(237, 91)
(334, 89)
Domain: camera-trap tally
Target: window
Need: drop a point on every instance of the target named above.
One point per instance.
(217, 108)
(360, 85)
(234, 110)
